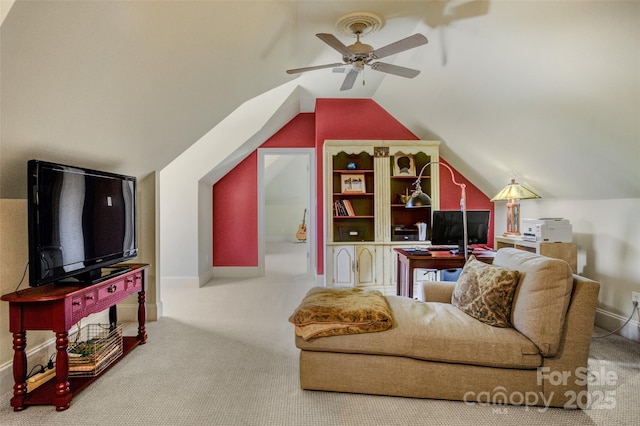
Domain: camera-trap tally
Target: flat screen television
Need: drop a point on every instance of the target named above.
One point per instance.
(80, 222)
(446, 228)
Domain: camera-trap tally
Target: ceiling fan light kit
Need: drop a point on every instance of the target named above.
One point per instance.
(359, 24)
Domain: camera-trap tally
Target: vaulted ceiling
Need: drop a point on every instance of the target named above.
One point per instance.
(548, 91)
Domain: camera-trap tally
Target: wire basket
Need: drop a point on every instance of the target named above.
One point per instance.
(93, 348)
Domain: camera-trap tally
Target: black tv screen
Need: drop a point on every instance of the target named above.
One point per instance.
(79, 220)
(447, 227)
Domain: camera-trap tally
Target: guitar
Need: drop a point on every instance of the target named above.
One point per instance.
(301, 234)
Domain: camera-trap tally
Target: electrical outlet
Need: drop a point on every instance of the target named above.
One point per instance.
(635, 297)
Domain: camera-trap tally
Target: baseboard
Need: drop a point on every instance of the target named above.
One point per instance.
(38, 355)
(235, 272)
(129, 312)
(180, 282)
(205, 277)
(610, 322)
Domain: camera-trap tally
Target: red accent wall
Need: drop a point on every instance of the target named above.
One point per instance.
(297, 133)
(235, 223)
(348, 119)
(356, 119)
(450, 196)
(235, 199)
(235, 216)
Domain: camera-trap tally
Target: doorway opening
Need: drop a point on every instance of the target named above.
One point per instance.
(286, 184)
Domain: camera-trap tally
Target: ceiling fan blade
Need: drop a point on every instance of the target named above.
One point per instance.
(395, 69)
(332, 41)
(400, 46)
(317, 67)
(470, 9)
(349, 80)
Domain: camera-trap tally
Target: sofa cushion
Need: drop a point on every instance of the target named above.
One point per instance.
(542, 296)
(485, 292)
(436, 332)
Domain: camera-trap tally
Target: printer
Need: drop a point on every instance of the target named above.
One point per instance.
(547, 230)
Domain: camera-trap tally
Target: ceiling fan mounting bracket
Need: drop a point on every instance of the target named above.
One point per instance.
(359, 24)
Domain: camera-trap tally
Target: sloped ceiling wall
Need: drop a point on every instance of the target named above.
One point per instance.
(546, 90)
(549, 91)
(128, 86)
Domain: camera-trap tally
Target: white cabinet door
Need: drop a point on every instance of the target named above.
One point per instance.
(355, 266)
(344, 266)
(366, 265)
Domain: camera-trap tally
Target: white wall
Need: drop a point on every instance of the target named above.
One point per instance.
(5, 6)
(286, 195)
(608, 238)
(184, 203)
(13, 260)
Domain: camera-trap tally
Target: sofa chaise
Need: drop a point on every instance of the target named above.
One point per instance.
(434, 349)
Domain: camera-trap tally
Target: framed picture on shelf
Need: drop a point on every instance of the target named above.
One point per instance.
(403, 165)
(352, 183)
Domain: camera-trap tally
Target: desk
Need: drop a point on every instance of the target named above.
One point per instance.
(407, 262)
(565, 251)
(58, 307)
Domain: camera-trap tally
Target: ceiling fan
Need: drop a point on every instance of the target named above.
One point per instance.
(359, 54)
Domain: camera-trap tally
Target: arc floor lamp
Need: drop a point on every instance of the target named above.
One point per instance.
(419, 199)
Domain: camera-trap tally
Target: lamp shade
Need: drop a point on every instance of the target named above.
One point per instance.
(514, 191)
(418, 199)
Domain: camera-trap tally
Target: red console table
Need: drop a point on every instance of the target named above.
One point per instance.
(58, 307)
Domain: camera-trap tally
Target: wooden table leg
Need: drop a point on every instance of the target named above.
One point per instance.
(409, 279)
(19, 370)
(63, 394)
(113, 317)
(142, 317)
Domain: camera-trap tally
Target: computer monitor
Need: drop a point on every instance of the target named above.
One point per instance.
(447, 229)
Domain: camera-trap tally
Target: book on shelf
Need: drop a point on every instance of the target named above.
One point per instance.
(343, 208)
(349, 207)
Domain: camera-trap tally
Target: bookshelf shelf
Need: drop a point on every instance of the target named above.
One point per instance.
(359, 244)
(353, 217)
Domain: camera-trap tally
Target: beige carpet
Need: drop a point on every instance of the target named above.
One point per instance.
(224, 355)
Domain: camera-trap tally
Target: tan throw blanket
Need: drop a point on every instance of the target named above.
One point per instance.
(331, 311)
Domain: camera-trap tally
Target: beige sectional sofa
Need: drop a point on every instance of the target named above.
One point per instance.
(435, 350)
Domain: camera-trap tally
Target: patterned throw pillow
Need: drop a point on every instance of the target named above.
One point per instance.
(486, 292)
